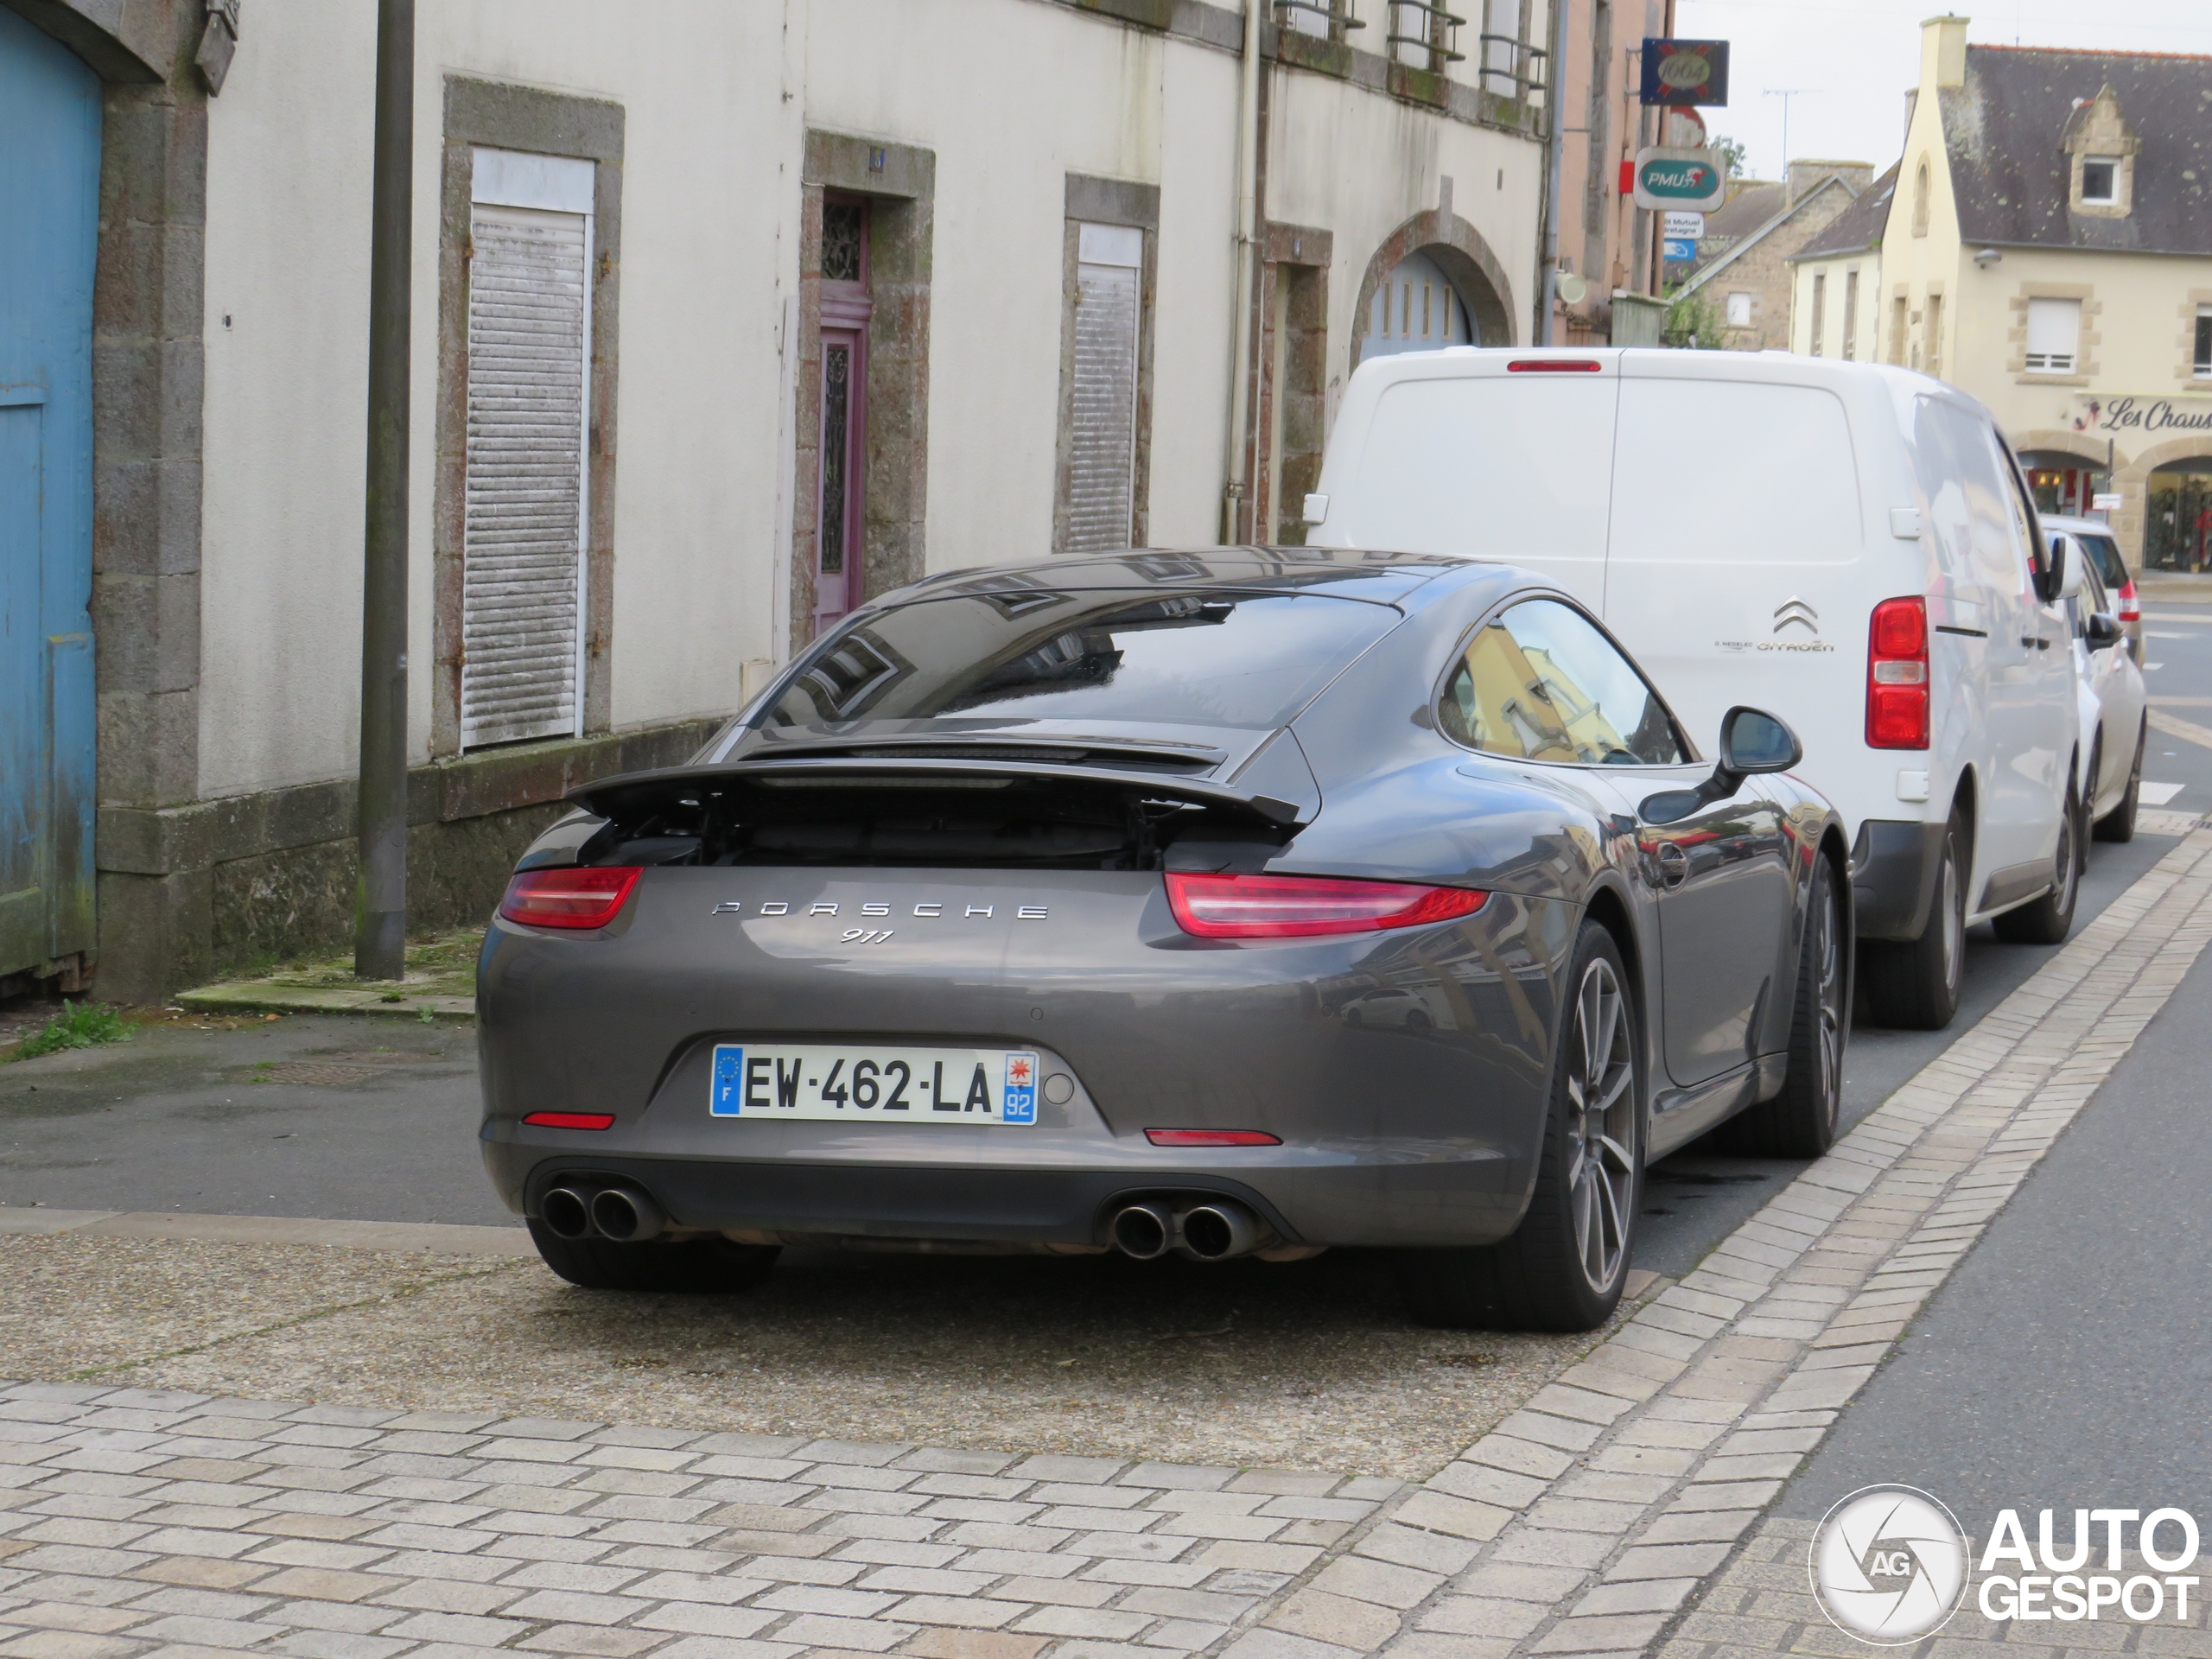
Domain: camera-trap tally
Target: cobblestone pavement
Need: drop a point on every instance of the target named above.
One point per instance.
(1763, 1603)
(140, 1522)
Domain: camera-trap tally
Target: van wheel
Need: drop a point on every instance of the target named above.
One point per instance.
(700, 1266)
(1564, 1268)
(2118, 825)
(1913, 984)
(2048, 919)
(1801, 1121)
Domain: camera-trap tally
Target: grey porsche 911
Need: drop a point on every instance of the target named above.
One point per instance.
(1243, 902)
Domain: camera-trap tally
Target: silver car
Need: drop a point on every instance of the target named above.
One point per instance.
(1090, 905)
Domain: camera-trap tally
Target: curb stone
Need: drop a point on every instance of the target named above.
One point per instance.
(1585, 1520)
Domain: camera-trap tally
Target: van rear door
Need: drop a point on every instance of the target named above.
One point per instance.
(1491, 455)
(1736, 528)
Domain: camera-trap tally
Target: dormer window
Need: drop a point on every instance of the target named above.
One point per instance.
(2100, 153)
(2100, 180)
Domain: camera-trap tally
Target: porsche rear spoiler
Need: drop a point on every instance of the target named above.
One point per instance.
(1275, 786)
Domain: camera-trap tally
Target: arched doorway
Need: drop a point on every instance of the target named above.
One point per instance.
(1414, 309)
(50, 114)
(1454, 259)
(2062, 481)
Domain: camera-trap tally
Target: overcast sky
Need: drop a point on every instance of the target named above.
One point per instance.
(1851, 63)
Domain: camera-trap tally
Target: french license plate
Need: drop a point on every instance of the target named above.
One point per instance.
(833, 1084)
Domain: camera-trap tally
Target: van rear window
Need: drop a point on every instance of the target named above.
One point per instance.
(1716, 472)
(1499, 468)
(2110, 565)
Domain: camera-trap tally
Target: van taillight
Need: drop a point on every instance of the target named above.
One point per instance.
(2130, 607)
(1897, 675)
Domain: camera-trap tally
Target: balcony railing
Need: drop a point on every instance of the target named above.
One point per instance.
(1423, 35)
(1328, 20)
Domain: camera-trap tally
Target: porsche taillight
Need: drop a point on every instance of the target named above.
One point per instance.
(569, 897)
(1308, 906)
(1897, 675)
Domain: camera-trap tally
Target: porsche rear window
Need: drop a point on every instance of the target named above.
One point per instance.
(1233, 660)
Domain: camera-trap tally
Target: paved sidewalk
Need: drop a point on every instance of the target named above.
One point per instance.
(141, 1522)
(137, 1523)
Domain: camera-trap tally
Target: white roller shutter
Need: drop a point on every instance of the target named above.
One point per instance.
(1102, 441)
(529, 352)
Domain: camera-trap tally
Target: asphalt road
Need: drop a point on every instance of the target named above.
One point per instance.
(224, 1122)
(2065, 1364)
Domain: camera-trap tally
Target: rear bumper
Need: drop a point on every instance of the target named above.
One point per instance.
(1392, 1132)
(1893, 866)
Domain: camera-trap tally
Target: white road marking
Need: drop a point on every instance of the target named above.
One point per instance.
(2159, 794)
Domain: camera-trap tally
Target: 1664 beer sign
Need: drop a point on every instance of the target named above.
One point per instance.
(1684, 179)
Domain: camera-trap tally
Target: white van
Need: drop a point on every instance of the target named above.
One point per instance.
(1849, 544)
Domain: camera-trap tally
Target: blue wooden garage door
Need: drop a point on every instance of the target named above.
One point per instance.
(49, 204)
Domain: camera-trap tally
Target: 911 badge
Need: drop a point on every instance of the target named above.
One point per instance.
(1021, 1102)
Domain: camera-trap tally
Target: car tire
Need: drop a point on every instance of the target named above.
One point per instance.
(1564, 1266)
(1801, 1121)
(1913, 984)
(1417, 1020)
(2048, 919)
(2118, 825)
(699, 1267)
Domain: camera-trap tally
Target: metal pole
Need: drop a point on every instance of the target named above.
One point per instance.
(1247, 167)
(380, 910)
(1555, 150)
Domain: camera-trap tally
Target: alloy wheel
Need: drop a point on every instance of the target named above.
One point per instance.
(1601, 1125)
(1827, 946)
(1955, 921)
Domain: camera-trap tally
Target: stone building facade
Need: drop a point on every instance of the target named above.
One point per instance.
(1748, 283)
(721, 328)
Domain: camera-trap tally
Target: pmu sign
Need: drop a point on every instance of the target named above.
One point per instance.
(1682, 73)
(1679, 179)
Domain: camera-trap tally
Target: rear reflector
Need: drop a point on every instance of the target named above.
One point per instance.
(1897, 675)
(1212, 1138)
(1303, 906)
(568, 897)
(570, 1120)
(1553, 365)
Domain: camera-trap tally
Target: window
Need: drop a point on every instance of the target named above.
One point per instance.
(1849, 315)
(2053, 335)
(2204, 359)
(1739, 310)
(1819, 310)
(1935, 335)
(1102, 432)
(1189, 658)
(1920, 199)
(528, 391)
(2100, 180)
(1541, 682)
(1897, 314)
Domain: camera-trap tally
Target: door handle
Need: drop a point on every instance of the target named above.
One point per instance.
(1673, 865)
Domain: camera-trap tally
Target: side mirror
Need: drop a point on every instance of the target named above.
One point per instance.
(1753, 740)
(2100, 631)
(2050, 582)
(2065, 567)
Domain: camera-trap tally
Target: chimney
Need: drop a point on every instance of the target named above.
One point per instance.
(1944, 51)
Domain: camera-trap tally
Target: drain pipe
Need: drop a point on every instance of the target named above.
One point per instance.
(380, 908)
(1555, 152)
(1248, 191)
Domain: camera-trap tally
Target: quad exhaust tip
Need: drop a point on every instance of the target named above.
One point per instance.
(567, 1210)
(1217, 1230)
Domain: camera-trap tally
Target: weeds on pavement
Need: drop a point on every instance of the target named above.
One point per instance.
(80, 1024)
